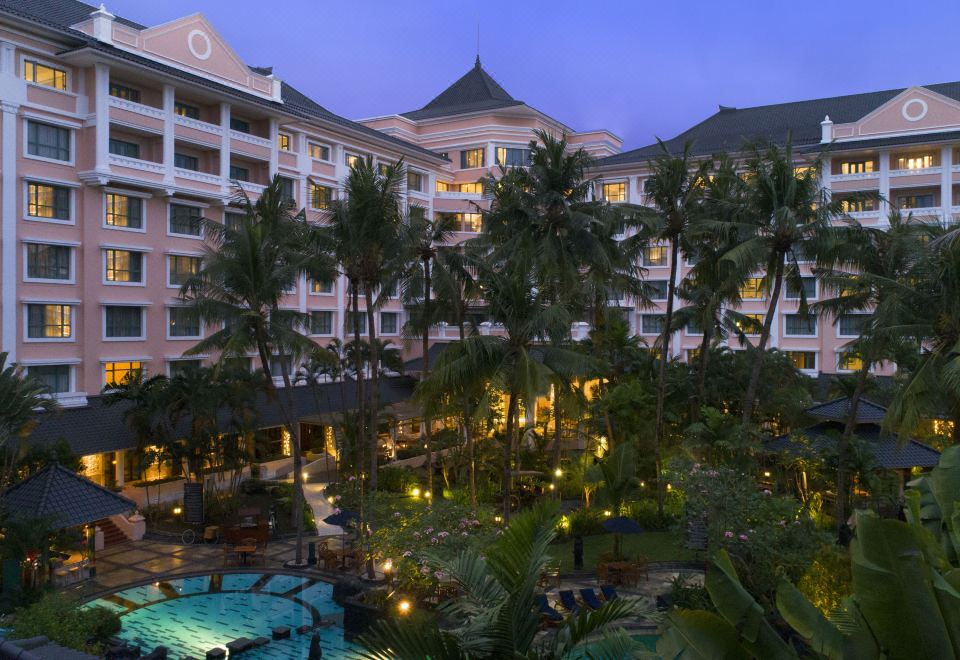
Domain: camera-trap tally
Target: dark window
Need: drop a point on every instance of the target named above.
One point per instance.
(124, 92)
(357, 321)
(123, 321)
(801, 325)
(233, 220)
(851, 325)
(658, 289)
(55, 376)
(48, 262)
(186, 110)
(48, 141)
(124, 148)
(181, 367)
(915, 201)
(389, 323)
(185, 220)
(239, 125)
(319, 151)
(651, 324)
(809, 289)
(186, 162)
(46, 201)
(286, 189)
(184, 322)
(321, 323)
(414, 181)
(239, 173)
(513, 157)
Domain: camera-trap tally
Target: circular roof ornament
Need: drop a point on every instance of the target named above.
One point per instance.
(205, 47)
(914, 110)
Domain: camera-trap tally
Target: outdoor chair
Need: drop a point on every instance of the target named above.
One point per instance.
(603, 573)
(590, 599)
(569, 601)
(642, 565)
(549, 614)
(609, 592)
(260, 554)
(230, 555)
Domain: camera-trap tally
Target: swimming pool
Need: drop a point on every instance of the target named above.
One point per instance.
(192, 615)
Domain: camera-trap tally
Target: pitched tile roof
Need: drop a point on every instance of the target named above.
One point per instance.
(475, 91)
(884, 447)
(62, 498)
(61, 14)
(838, 409)
(729, 128)
(97, 428)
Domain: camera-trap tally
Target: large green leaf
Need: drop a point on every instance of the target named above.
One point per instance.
(822, 636)
(699, 635)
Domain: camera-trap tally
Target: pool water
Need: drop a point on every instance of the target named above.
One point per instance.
(192, 615)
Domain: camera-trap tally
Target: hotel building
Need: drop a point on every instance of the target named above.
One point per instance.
(117, 138)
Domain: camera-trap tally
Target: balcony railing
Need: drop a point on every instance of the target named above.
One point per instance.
(136, 164)
(855, 176)
(196, 124)
(446, 194)
(194, 175)
(916, 172)
(250, 139)
(254, 188)
(139, 108)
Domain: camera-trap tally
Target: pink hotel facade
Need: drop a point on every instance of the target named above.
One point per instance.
(116, 138)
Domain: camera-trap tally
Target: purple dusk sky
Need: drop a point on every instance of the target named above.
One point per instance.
(640, 69)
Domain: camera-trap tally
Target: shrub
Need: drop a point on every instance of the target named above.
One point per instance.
(646, 515)
(586, 522)
(689, 596)
(397, 480)
(828, 580)
(253, 487)
(66, 623)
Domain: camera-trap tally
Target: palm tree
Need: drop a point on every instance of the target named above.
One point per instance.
(498, 617)
(365, 236)
(247, 271)
(618, 482)
(867, 268)
(784, 216)
(676, 189)
(21, 397)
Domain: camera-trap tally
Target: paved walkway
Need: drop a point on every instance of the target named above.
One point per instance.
(313, 494)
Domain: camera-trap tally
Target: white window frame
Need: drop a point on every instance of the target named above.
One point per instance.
(103, 322)
(41, 60)
(143, 197)
(320, 143)
(52, 121)
(380, 324)
(72, 339)
(333, 323)
(640, 324)
(665, 248)
(178, 253)
(145, 361)
(311, 292)
(127, 248)
(182, 202)
(69, 363)
(842, 336)
(626, 192)
(46, 181)
(840, 370)
(171, 360)
(666, 294)
(166, 331)
(816, 326)
(71, 245)
(816, 290)
(321, 183)
(816, 359)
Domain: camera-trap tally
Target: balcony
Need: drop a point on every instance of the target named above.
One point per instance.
(138, 108)
(916, 172)
(458, 195)
(856, 176)
(136, 164)
(198, 125)
(194, 175)
(252, 188)
(251, 139)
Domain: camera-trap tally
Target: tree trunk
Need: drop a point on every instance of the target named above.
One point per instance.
(374, 388)
(468, 432)
(843, 447)
(557, 430)
(749, 399)
(662, 374)
(508, 454)
(358, 366)
(702, 360)
(427, 436)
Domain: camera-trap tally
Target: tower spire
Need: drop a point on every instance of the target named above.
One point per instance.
(476, 64)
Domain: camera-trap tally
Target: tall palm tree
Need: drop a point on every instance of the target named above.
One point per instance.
(365, 235)
(784, 217)
(867, 268)
(497, 617)
(247, 271)
(675, 188)
(21, 397)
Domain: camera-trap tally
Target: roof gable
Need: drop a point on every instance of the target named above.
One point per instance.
(838, 409)
(474, 91)
(914, 109)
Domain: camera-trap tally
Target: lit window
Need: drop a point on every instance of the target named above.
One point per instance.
(283, 142)
(352, 159)
(856, 167)
(321, 322)
(46, 201)
(321, 287)
(924, 201)
(320, 196)
(443, 186)
(918, 162)
(414, 181)
(651, 324)
(752, 289)
(49, 321)
(187, 162)
(120, 373)
(42, 74)
(123, 265)
(749, 328)
(472, 222)
(48, 141)
(186, 110)
(615, 192)
(319, 151)
(847, 361)
(809, 285)
(56, 377)
(475, 188)
(800, 325)
(471, 158)
(693, 354)
(858, 205)
(124, 92)
(48, 262)
(655, 255)
(182, 268)
(512, 157)
(124, 148)
(389, 323)
(183, 322)
(124, 211)
(122, 322)
(185, 220)
(806, 360)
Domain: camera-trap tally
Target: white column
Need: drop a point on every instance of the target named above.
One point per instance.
(14, 93)
(946, 183)
(169, 132)
(826, 175)
(274, 145)
(491, 160)
(225, 147)
(119, 457)
(101, 99)
(885, 202)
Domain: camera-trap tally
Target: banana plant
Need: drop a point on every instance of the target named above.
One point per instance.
(933, 502)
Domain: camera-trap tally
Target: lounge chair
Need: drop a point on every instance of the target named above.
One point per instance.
(609, 592)
(568, 601)
(547, 611)
(590, 599)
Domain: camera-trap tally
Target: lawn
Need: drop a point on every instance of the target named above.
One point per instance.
(656, 546)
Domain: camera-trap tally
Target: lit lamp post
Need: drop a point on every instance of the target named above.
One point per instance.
(388, 572)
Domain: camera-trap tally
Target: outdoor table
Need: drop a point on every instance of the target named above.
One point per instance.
(244, 551)
(617, 569)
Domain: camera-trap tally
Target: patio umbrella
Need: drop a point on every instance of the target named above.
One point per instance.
(619, 526)
(341, 518)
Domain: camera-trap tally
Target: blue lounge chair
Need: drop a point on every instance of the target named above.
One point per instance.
(546, 610)
(568, 601)
(590, 599)
(609, 592)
